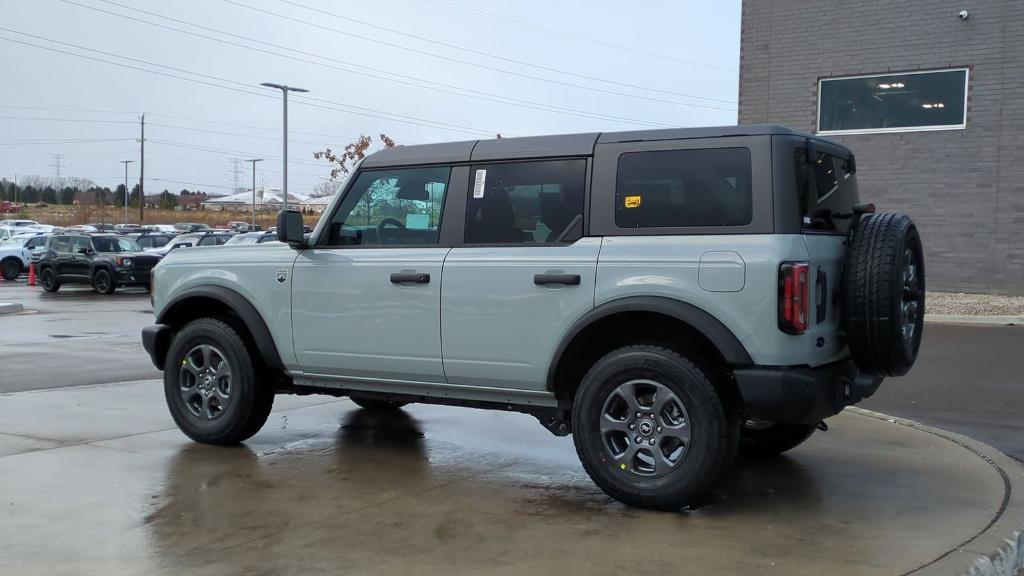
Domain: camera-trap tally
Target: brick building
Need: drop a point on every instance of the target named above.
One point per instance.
(929, 94)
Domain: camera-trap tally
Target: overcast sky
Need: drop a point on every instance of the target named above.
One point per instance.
(418, 70)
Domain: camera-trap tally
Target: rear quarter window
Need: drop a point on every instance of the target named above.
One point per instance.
(684, 188)
(827, 192)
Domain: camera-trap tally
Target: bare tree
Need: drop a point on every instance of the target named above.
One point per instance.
(354, 152)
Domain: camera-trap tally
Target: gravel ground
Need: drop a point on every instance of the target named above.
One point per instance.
(974, 304)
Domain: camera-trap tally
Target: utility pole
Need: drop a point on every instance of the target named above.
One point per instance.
(254, 161)
(126, 163)
(142, 170)
(15, 188)
(58, 169)
(284, 91)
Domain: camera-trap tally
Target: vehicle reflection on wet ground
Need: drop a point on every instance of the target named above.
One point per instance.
(327, 487)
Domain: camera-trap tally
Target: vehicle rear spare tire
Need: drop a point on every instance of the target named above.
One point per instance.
(884, 292)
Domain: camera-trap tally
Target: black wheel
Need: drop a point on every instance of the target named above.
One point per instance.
(376, 404)
(10, 268)
(761, 439)
(48, 279)
(884, 289)
(210, 384)
(650, 428)
(103, 281)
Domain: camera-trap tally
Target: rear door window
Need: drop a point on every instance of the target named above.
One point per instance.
(62, 244)
(526, 202)
(684, 188)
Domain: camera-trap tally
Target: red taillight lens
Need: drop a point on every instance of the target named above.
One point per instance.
(794, 296)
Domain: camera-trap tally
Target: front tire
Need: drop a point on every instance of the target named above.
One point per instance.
(48, 279)
(210, 384)
(103, 281)
(10, 268)
(765, 439)
(650, 428)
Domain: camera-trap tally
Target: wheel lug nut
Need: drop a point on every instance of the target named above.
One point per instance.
(639, 439)
(659, 429)
(638, 414)
(632, 426)
(651, 442)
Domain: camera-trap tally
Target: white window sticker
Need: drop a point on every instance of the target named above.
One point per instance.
(478, 185)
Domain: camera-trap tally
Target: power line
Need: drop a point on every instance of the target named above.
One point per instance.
(33, 141)
(503, 58)
(313, 102)
(570, 35)
(464, 62)
(380, 74)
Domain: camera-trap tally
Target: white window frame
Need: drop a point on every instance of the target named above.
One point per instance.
(962, 125)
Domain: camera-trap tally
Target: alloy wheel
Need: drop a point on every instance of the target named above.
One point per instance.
(645, 428)
(204, 382)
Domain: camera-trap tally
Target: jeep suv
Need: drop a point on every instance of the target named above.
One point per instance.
(105, 261)
(667, 297)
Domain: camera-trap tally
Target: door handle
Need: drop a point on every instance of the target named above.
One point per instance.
(410, 278)
(566, 279)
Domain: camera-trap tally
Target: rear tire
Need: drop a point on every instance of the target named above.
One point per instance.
(210, 384)
(48, 280)
(672, 398)
(884, 294)
(10, 268)
(376, 405)
(766, 439)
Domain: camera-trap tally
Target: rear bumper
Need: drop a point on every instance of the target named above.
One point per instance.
(156, 339)
(803, 394)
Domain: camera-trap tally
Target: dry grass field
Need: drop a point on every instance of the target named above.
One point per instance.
(62, 215)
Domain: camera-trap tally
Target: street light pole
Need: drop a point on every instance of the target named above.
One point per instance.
(285, 89)
(126, 163)
(254, 161)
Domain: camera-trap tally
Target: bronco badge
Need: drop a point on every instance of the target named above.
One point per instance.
(282, 276)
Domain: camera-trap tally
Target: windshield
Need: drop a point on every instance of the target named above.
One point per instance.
(12, 242)
(112, 244)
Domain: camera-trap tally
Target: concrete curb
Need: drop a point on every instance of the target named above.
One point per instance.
(998, 550)
(965, 319)
(9, 308)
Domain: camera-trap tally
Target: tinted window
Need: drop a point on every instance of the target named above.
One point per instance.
(526, 202)
(825, 188)
(79, 244)
(680, 188)
(208, 241)
(391, 207)
(114, 244)
(893, 102)
(62, 244)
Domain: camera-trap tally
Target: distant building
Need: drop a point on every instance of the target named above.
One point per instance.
(931, 101)
(267, 199)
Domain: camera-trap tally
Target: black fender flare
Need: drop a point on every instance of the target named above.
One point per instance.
(727, 343)
(238, 304)
(94, 266)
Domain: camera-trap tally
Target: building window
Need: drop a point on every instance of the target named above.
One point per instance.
(905, 102)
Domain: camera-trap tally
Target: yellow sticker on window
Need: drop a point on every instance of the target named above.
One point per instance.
(632, 201)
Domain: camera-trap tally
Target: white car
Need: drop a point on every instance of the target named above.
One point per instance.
(14, 258)
(34, 242)
(161, 228)
(19, 223)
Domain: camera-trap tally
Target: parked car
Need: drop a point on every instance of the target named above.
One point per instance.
(147, 240)
(166, 228)
(668, 297)
(35, 244)
(252, 238)
(186, 227)
(7, 207)
(14, 258)
(128, 228)
(238, 226)
(19, 223)
(205, 238)
(80, 228)
(102, 226)
(106, 261)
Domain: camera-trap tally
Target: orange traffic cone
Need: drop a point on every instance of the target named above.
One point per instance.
(32, 274)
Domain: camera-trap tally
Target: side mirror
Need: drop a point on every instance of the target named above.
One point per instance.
(289, 228)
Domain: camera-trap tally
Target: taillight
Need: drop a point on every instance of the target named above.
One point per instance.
(794, 296)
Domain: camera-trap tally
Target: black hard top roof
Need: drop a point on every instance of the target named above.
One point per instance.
(555, 145)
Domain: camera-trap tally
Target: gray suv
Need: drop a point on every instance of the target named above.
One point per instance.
(667, 297)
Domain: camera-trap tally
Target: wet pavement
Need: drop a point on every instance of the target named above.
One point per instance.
(72, 337)
(95, 480)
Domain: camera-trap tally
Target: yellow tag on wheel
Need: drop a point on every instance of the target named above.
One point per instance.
(633, 201)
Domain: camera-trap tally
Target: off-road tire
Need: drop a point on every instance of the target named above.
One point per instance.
(879, 250)
(709, 452)
(376, 404)
(103, 281)
(10, 268)
(251, 402)
(773, 439)
(48, 279)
